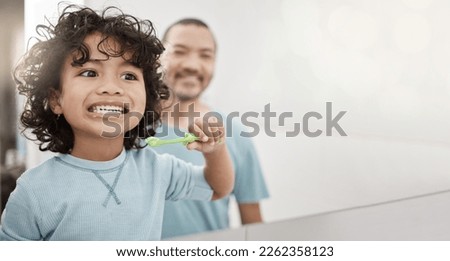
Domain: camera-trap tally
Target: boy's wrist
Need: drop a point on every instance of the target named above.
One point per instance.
(218, 152)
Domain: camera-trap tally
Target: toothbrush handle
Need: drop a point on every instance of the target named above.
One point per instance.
(173, 141)
(156, 142)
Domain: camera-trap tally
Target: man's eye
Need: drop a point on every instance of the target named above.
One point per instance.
(89, 73)
(178, 52)
(206, 56)
(129, 77)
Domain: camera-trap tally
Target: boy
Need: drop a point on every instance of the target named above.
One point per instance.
(93, 87)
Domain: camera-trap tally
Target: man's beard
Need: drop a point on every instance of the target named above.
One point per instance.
(187, 97)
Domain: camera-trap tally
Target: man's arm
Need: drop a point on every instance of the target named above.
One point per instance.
(250, 213)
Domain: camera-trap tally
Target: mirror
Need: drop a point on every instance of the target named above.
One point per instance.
(383, 66)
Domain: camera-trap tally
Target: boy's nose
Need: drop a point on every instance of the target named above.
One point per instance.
(111, 87)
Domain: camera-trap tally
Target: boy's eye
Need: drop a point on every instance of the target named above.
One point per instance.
(129, 77)
(89, 73)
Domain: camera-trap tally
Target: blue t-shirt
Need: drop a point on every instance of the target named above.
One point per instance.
(188, 216)
(67, 198)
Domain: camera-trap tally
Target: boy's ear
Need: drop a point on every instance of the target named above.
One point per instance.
(54, 103)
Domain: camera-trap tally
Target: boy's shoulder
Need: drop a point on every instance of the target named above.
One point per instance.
(39, 173)
(43, 166)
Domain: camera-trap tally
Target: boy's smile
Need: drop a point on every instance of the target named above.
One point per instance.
(104, 97)
(108, 108)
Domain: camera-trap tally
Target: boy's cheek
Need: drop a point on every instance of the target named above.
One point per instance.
(131, 120)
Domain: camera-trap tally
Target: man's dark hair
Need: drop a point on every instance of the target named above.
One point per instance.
(187, 21)
(38, 74)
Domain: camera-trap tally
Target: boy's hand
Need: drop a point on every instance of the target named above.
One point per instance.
(218, 169)
(211, 135)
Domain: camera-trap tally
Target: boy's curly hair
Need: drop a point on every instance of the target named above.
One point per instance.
(38, 74)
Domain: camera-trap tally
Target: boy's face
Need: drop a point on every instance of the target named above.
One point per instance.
(105, 96)
(189, 60)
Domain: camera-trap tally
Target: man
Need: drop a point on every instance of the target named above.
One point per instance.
(188, 64)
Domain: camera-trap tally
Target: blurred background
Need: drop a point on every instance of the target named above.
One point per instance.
(11, 47)
(386, 63)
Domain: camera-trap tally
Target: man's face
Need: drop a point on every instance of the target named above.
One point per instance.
(189, 60)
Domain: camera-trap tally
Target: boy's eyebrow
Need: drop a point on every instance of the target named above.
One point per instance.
(99, 61)
(94, 61)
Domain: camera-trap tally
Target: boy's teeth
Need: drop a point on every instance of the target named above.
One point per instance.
(107, 108)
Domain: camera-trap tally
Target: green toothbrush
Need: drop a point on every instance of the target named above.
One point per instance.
(156, 142)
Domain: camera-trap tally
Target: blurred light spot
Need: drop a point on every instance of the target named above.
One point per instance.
(400, 101)
(266, 85)
(353, 72)
(417, 4)
(301, 22)
(299, 13)
(440, 50)
(275, 42)
(412, 33)
(353, 28)
(391, 65)
(305, 41)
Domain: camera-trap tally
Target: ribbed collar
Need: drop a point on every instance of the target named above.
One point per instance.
(94, 165)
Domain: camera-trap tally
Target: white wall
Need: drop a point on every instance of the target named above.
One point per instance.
(387, 63)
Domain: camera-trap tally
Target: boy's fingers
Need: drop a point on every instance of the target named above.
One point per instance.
(216, 134)
(211, 131)
(206, 126)
(215, 129)
(197, 130)
(193, 146)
